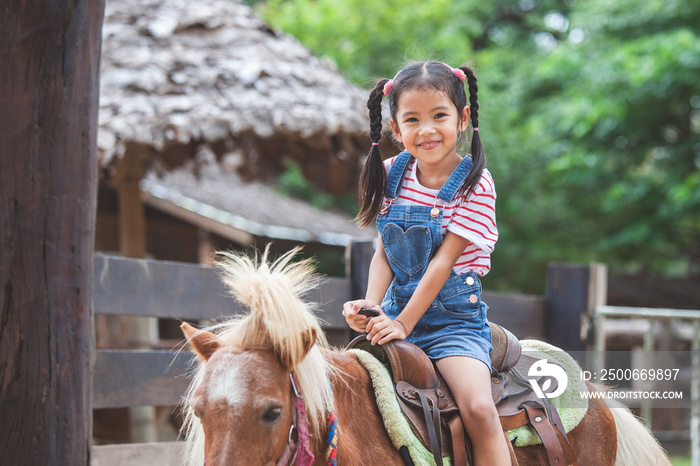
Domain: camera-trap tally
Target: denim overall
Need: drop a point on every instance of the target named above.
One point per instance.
(455, 323)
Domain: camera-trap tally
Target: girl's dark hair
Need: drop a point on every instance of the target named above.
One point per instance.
(429, 75)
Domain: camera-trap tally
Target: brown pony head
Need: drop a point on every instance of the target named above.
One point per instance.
(239, 404)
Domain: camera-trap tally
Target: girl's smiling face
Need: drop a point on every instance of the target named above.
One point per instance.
(428, 123)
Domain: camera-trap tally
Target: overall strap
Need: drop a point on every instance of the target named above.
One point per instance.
(394, 180)
(451, 186)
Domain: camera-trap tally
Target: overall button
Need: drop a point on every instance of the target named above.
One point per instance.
(469, 281)
(473, 299)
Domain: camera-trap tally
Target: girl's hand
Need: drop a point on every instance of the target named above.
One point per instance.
(356, 321)
(382, 329)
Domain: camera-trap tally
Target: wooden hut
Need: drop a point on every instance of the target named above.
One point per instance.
(202, 108)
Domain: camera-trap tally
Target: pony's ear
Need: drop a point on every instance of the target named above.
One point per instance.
(203, 343)
(308, 339)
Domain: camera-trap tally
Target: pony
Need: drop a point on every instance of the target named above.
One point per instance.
(269, 390)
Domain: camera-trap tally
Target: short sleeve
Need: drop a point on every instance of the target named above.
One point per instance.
(474, 218)
(387, 165)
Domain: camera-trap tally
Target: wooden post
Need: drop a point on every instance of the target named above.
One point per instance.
(358, 256)
(132, 220)
(573, 292)
(206, 252)
(49, 88)
(141, 332)
(205, 247)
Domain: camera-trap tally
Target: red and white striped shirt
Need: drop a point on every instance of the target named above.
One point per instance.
(473, 218)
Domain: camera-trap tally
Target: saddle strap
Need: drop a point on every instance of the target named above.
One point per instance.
(555, 420)
(462, 454)
(511, 450)
(432, 421)
(523, 417)
(513, 421)
(571, 458)
(459, 444)
(406, 456)
(548, 434)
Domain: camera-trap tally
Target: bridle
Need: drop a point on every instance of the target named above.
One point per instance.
(297, 451)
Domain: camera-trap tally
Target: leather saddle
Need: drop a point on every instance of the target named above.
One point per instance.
(430, 409)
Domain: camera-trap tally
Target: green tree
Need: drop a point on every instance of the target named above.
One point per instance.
(367, 38)
(608, 125)
(590, 113)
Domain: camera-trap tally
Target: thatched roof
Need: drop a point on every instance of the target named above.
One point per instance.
(177, 72)
(217, 201)
(214, 101)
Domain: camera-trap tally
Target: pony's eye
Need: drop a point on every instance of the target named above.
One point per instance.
(197, 407)
(272, 414)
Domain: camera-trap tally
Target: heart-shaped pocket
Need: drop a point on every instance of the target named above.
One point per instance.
(408, 250)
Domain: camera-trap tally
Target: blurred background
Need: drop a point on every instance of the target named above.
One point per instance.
(226, 124)
(589, 112)
(231, 124)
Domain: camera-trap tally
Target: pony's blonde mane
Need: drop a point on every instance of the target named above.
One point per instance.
(273, 292)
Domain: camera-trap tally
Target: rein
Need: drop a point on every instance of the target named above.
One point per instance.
(298, 451)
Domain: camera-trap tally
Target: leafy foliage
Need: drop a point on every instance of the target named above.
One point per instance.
(612, 121)
(590, 113)
(366, 38)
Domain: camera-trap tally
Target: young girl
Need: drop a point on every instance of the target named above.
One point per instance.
(435, 213)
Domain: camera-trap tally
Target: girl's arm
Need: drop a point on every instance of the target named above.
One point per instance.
(382, 329)
(380, 277)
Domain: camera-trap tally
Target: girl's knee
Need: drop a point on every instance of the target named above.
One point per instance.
(480, 409)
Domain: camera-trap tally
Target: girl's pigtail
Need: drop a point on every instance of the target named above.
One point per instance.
(371, 189)
(477, 150)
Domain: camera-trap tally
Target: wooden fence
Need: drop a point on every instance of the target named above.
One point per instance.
(150, 288)
(652, 316)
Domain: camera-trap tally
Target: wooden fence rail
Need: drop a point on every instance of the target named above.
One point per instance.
(150, 288)
(653, 315)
